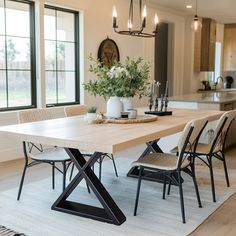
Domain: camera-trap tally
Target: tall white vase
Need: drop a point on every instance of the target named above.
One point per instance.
(127, 103)
(114, 107)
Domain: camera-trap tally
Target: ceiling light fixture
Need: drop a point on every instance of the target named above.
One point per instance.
(196, 23)
(143, 18)
(189, 6)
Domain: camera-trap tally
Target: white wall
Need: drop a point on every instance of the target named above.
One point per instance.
(96, 26)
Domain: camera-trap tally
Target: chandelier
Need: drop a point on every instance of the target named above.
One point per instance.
(142, 22)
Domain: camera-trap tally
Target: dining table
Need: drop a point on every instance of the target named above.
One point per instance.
(74, 134)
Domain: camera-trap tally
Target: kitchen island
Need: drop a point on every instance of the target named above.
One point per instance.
(223, 101)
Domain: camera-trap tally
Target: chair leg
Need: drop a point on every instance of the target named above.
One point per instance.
(53, 175)
(212, 179)
(195, 184)
(225, 168)
(100, 167)
(114, 164)
(164, 188)
(169, 187)
(138, 190)
(88, 188)
(181, 197)
(72, 170)
(64, 175)
(21, 182)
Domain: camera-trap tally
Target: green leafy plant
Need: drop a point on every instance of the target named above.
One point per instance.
(122, 80)
(92, 109)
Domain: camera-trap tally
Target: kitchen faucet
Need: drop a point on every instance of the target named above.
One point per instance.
(217, 79)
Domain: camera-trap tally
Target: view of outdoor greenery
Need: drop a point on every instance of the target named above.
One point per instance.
(59, 56)
(15, 66)
(15, 55)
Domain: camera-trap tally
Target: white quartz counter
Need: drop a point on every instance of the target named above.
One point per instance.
(206, 97)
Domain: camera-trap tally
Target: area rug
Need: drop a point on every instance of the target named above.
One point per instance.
(33, 215)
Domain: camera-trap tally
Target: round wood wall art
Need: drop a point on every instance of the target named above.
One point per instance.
(108, 52)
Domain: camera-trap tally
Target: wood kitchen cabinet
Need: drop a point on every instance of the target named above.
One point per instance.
(204, 46)
(229, 47)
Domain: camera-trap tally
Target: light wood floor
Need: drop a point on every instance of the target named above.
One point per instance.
(221, 222)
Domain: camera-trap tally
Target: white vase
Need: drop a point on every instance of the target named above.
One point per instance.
(114, 107)
(127, 103)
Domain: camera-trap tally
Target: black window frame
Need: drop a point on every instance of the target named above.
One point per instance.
(32, 57)
(77, 56)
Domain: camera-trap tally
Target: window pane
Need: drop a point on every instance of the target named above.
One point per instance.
(19, 88)
(65, 56)
(65, 26)
(3, 89)
(2, 18)
(50, 24)
(18, 53)
(51, 88)
(66, 87)
(17, 19)
(50, 55)
(2, 53)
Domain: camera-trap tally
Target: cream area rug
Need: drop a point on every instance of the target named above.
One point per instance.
(33, 215)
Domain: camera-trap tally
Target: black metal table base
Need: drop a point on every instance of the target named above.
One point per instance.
(149, 175)
(110, 212)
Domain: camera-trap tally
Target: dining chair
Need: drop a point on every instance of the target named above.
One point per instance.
(75, 110)
(216, 148)
(37, 153)
(171, 166)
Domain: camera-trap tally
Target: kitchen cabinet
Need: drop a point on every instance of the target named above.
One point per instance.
(229, 47)
(204, 46)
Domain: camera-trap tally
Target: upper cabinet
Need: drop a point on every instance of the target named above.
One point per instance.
(204, 46)
(229, 47)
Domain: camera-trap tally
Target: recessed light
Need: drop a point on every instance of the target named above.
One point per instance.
(189, 6)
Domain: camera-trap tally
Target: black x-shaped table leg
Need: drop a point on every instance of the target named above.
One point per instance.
(152, 147)
(110, 212)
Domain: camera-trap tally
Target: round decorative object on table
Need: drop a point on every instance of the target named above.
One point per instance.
(114, 107)
(139, 119)
(127, 103)
(108, 52)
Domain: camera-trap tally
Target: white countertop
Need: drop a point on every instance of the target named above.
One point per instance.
(206, 97)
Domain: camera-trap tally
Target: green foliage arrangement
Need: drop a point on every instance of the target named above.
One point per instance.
(121, 80)
(92, 109)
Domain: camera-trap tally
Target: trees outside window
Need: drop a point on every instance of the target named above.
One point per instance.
(17, 63)
(61, 56)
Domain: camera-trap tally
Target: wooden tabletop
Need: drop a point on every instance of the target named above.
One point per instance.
(74, 132)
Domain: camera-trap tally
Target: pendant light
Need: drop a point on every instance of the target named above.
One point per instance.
(196, 23)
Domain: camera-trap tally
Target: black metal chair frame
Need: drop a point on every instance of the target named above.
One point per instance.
(219, 155)
(191, 154)
(171, 175)
(65, 165)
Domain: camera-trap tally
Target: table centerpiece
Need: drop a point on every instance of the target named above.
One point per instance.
(119, 84)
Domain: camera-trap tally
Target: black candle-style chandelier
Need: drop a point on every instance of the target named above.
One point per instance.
(143, 17)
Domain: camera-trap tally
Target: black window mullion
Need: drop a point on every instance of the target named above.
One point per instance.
(33, 55)
(77, 58)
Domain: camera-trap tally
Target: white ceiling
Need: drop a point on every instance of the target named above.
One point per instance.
(221, 10)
